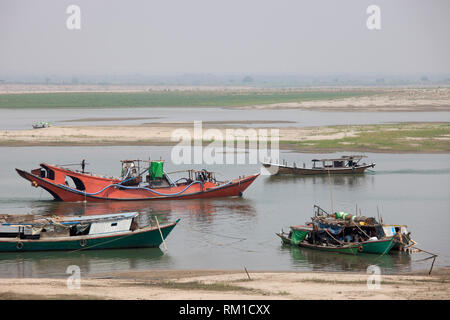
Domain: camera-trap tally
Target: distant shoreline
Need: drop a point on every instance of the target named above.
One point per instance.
(341, 99)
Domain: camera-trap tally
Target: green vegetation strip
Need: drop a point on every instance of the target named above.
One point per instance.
(166, 98)
(406, 137)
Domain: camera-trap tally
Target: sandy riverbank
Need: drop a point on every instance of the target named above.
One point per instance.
(228, 285)
(386, 100)
(391, 138)
(155, 133)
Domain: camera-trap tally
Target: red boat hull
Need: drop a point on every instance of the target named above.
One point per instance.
(99, 189)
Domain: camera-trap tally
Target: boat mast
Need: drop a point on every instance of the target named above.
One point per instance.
(331, 191)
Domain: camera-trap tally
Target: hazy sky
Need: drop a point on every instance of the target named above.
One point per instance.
(199, 36)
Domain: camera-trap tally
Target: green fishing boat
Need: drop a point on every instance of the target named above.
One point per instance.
(116, 231)
(382, 246)
(347, 228)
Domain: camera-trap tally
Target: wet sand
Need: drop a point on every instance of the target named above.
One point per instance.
(151, 133)
(391, 138)
(233, 285)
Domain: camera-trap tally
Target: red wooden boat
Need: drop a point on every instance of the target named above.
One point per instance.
(72, 185)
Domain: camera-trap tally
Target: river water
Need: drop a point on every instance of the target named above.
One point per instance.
(233, 233)
(16, 119)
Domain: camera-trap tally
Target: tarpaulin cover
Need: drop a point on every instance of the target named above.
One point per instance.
(156, 169)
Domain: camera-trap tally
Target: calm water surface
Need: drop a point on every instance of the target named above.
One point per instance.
(232, 233)
(24, 119)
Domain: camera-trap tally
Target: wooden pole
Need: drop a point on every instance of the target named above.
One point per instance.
(247, 273)
(432, 254)
(159, 228)
(331, 192)
(434, 259)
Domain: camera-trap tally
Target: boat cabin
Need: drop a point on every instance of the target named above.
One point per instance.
(130, 174)
(70, 227)
(343, 162)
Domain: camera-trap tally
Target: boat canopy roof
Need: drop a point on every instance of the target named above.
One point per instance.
(73, 220)
(343, 158)
(139, 160)
(361, 221)
(125, 215)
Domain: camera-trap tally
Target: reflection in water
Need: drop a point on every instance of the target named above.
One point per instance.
(342, 180)
(54, 264)
(201, 209)
(329, 261)
(428, 171)
(59, 208)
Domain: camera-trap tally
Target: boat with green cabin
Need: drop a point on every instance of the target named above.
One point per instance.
(307, 237)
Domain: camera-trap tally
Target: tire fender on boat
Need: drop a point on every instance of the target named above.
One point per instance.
(83, 242)
(360, 249)
(19, 245)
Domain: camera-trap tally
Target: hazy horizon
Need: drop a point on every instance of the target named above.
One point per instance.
(201, 37)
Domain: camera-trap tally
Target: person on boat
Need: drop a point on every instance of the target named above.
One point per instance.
(398, 237)
(83, 164)
(348, 238)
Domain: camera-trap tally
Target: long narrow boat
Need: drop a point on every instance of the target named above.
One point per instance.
(115, 231)
(344, 165)
(72, 185)
(345, 249)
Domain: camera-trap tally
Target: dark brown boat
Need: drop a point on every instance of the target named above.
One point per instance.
(344, 165)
